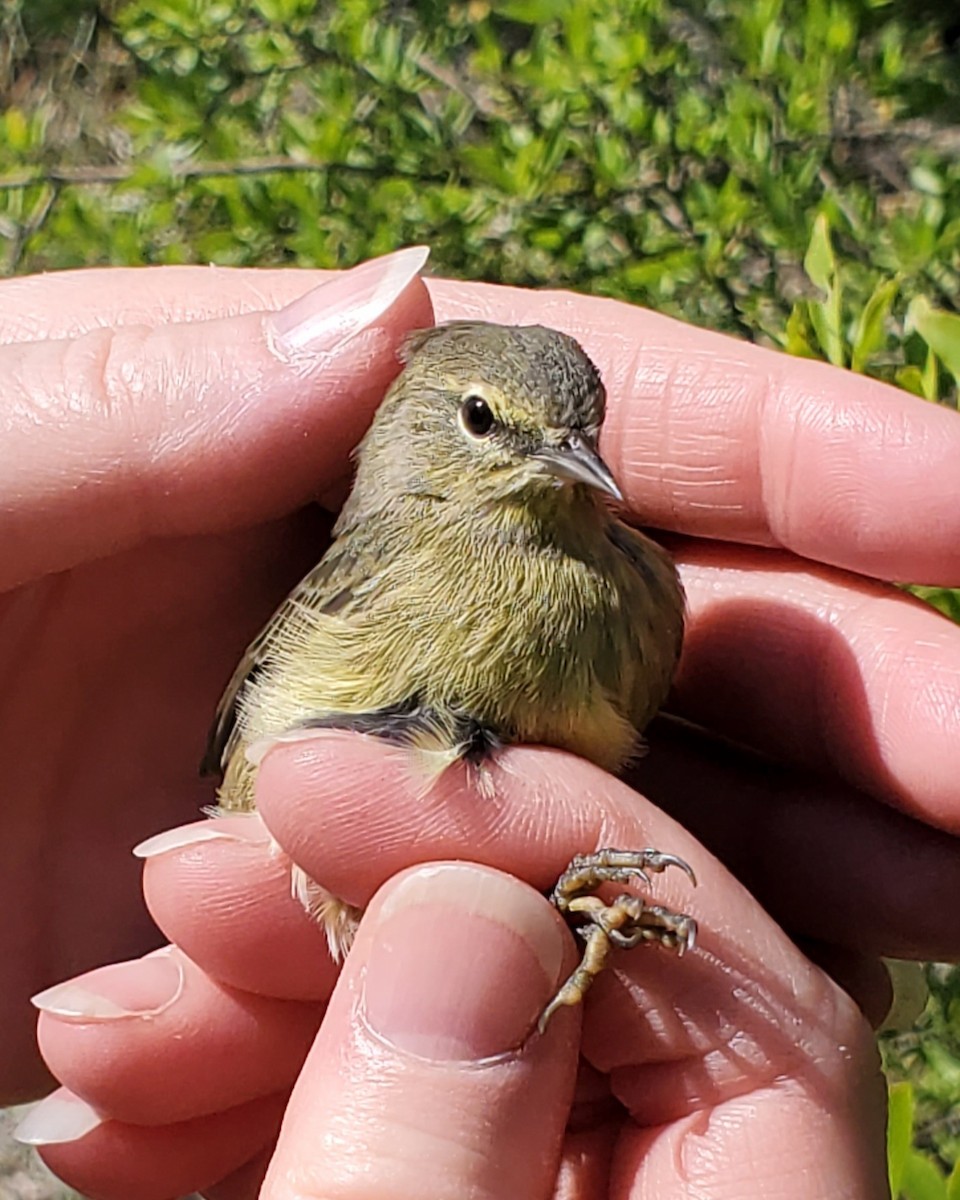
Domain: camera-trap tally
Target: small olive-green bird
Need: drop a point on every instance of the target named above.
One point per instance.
(478, 589)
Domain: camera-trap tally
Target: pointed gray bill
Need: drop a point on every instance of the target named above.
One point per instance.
(577, 461)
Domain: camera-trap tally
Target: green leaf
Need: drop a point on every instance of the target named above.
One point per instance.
(953, 1183)
(819, 262)
(901, 1106)
(946, 1065)
(15, 129)
(796, 339)
(930, 377)
(947, 600)
(926, 180)
(533, 12)
(922, 1179)
(869, 332)
(821, 266)
(910, 378)
(939, 329)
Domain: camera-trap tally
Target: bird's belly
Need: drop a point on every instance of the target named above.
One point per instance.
(543, 656)
(590, 726)
(552, 675)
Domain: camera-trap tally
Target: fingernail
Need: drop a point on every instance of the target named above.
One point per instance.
(61, 1117)
(336, 311)
(246, 827)
(145, 987)
(461, 963)
(257, 751)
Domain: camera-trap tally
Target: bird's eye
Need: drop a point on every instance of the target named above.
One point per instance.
(476, 416)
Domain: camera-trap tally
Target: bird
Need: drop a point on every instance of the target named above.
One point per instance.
(479, 590)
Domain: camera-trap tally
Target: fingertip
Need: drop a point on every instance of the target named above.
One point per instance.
(714, 437)
(116, 1161)
(221, 891)
(431, 1030)
(329, 316)
(196, 427)
(159, 1048)
(353, 811)
(440, 941)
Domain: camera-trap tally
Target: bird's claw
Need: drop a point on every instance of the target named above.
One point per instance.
(626, 922)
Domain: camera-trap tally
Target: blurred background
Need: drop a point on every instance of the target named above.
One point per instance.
(787, 171)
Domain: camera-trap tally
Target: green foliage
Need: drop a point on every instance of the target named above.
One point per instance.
(825, 313)
(677, 155)
(913, 1174)
(826, 326)
(923, 1064)
(940, 330)
(947, 600)
(901, 1109)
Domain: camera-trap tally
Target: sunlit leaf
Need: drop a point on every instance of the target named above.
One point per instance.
(901, 1107)
(825, 314)
(939, 329)
(922, 1179)
(819, 262)
(869, 333)
(953, 1183)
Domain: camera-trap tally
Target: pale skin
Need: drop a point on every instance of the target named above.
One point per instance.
(713, 1059)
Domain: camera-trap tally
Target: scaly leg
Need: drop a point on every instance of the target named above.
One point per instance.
(627, 922)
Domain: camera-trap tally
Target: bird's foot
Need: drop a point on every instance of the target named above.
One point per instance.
(626, 922)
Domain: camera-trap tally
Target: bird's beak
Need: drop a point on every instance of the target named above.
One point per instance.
(577, 461)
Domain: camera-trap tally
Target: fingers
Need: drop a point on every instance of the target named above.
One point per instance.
(728, 1036)
(752, 1042)
(66, 304)
(440, 1090)
(424, 1079)
(377, 816)
(173, 1081)
(383, 812)
(119, 435)
(420, 1071)
(715, 437)
(221, 892)
(743, 1024)
(825, 860)
(155, 1041)
(706, 434)
(825, 670)
(763, 1145)
(114, 1160)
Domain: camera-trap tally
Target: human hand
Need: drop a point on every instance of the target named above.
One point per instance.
(810, 664)
(154, 437)
(716, 1072)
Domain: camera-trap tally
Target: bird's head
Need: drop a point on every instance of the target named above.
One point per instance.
(492, 411)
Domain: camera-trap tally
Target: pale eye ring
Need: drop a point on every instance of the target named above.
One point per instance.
(476, 416)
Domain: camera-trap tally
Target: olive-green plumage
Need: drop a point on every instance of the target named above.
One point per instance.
(478, 589)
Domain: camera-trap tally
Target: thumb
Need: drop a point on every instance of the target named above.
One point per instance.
(426, 1079)
(123, 434)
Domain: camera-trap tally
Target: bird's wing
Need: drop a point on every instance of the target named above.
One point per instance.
(665, 602)
(348, 569)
